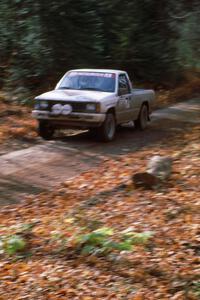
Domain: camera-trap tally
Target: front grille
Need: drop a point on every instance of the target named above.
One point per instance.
(76, 106)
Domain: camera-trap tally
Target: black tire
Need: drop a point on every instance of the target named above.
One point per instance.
(108, 128)
(45, 130)
(143, 118)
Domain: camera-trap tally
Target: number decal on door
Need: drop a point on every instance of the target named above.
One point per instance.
(127, 103)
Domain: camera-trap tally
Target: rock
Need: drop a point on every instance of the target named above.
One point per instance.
(145, 180)
(160, 167)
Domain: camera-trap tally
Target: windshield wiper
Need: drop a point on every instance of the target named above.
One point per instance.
(92, 89)
(65, 88)
(80, 89)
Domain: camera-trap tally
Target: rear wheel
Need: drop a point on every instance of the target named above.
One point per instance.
(142, 120)
(45, 130)
(108, 128)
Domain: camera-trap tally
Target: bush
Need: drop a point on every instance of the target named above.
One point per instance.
(102, 241)
(12, 244)
(15, 239)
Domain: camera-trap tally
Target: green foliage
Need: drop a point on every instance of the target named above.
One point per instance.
(40, 40)
(104, 240)
(12, 244)
(189, 43)
(196, 288)
(96, 241)
(15, 239)
(100, 241)
(97, 236)
(84, 240)
(138, 238)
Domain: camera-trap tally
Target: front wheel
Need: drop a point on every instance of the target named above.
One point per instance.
(45, 130)
(142, 120)
(108, 128)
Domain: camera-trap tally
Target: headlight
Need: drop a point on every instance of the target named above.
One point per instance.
(91, 107)
(67, 109)
(43, 104)
(57, 109)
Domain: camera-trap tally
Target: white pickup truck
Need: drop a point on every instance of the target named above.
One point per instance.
(93, 99)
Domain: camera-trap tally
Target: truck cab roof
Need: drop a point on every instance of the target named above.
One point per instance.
(99, 70)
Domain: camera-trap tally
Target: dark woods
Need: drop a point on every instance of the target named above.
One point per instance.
(154, 40)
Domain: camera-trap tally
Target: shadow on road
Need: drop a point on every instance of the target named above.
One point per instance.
(11, 189)
(127, 140)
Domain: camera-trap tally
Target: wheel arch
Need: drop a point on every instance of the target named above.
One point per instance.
(111, 110)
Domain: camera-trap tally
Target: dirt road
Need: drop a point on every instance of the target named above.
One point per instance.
(42, 167)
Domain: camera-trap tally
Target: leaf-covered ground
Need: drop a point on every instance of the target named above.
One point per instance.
(17, 128)
(166, 268)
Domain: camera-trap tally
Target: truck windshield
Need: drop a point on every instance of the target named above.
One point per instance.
(93, 81)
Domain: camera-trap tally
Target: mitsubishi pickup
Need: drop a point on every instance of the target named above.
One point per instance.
(94, 99)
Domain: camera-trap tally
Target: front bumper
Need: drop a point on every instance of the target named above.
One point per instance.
(71, 119)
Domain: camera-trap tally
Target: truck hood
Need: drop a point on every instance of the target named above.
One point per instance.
(74, 95)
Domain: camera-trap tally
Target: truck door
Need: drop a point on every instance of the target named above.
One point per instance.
(123, 109)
